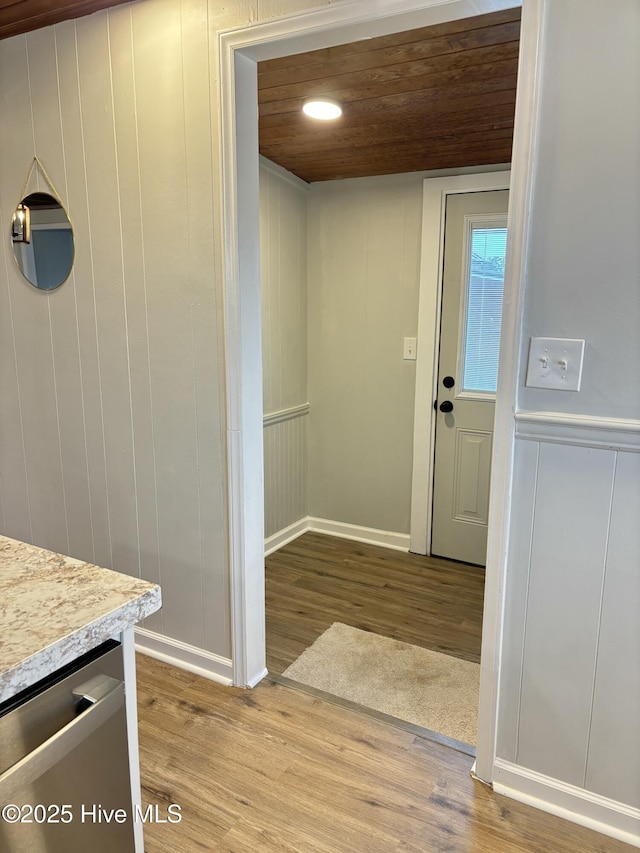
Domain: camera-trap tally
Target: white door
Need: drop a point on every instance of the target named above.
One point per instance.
(474, 250)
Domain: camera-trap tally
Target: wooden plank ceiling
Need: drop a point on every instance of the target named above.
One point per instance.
(21, 16)
(434, 98)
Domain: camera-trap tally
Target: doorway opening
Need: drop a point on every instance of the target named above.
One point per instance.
(239, 52)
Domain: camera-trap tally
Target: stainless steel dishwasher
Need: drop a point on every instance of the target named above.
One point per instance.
(64, 761)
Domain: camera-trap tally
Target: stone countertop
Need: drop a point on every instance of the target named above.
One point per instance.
(54, 608)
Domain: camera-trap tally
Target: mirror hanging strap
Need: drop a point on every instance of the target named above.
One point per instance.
(36, 162)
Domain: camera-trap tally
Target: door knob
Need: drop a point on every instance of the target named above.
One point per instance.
(446, 406)
(448, 381)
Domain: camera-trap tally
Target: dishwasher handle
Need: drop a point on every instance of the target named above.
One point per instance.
(92, 691)
(104, 695)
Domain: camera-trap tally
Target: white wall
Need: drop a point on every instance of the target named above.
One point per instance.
(283, 280)
(364, 253)
(570, 692)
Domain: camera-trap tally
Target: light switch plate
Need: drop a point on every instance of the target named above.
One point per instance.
(410, 349)
(555, 363)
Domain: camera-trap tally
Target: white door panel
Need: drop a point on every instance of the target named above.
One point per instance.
(475, 237)
(471, 476)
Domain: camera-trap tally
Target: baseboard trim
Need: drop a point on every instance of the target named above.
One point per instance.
(287, 534)
(258, 678)
(184, 656)
(568, 801)
(368, 535)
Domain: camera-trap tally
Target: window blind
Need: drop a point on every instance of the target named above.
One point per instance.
(484, 309)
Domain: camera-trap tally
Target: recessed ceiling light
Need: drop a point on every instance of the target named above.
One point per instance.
(322, 108)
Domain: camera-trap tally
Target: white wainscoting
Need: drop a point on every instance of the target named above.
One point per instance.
(570, 685)
(285, 468)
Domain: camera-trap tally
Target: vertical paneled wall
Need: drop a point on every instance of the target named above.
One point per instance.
(614, 736)
(112, 418)
(285, 473)
(283, 279)
(570, 689)
(364, 253)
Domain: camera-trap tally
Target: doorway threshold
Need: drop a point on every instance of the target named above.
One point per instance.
(411, 728)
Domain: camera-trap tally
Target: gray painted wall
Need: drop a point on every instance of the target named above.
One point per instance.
(364, 255)
(111, 387)
(283, 284)
(361, 242)
(584, 250)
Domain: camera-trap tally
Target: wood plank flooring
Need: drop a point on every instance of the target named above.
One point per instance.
(273, 770)
(317, 580)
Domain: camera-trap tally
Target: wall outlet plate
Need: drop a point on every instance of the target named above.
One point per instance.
(555, 363)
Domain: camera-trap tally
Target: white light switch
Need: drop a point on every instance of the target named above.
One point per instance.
(555, 363)
(410, 349)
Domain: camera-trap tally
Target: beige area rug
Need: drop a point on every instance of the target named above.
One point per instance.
(436, 691)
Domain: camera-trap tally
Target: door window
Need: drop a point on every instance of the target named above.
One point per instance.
(486, 245)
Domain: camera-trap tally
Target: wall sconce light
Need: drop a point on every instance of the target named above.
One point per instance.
(21, 224)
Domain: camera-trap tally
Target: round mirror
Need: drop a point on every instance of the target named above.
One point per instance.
(42, 241)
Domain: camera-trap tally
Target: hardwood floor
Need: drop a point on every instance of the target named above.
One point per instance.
(317, 580)
(273, 770)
